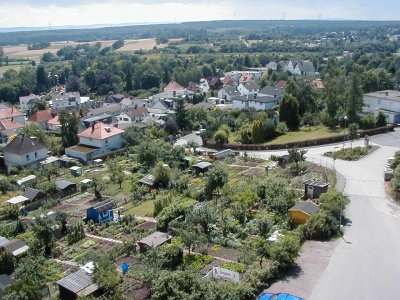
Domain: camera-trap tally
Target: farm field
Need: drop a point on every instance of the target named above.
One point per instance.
(144, 44)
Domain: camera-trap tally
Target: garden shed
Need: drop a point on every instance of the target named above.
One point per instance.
(154, 240)
(76, 171)
(301, 211)
(34, 194)
(98, 162)
(313, 189)
(77, 284)
(18, 200)
(26, 180)
(66, 186)
(147, 180)
(15, 247)
(101, 212)
(202, 167)
(222, 154)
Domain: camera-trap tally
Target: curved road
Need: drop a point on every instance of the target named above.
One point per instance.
(365, 264)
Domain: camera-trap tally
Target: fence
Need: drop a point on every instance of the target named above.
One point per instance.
(339, 180)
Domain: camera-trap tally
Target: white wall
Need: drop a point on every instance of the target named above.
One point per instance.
(113, 142)
(237, 104)
(374, 104)
(11, 159)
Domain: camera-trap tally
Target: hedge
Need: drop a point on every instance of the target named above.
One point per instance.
(300, 144)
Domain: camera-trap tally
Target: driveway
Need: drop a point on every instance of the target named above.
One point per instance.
(190, 137)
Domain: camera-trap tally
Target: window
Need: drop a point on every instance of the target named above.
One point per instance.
(379, 101)
(90, 139)
(120, 119)
(125, 119)
(106, 142)
(36, 154)
(27, 157)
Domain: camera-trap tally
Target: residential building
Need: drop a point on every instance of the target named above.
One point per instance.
(193, 87)
(53, 124)
(203, 85)
(133, 115)
(9, 127)
(258, 102)
(66, 100)
(113, 110)
(98, 139)
(272, 65)
(41, 118)
(318, 84)
(248, 88)
(228, 92)
(25, 102)
(174, 86)
(12, 113)
(281, 84)
(24, 151)
(386, 101)
(229, 81)
(248, 75)
(298, 67)
(214, 83)
(273, 92)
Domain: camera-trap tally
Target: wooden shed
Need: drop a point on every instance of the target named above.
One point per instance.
(313, 189)
(154, 240)
(101, 212)
(301, 211)
(222, 154)
(202, 167)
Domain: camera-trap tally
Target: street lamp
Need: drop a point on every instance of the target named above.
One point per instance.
(344, 131)
(334, 160)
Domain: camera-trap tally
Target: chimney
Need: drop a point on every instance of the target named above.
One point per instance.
(93, 127)
(12, 119)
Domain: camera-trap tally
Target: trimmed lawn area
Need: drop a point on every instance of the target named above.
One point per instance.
(305, 133)
(142, 209)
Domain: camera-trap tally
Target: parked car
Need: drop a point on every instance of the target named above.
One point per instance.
(280, 296)
(200, 131)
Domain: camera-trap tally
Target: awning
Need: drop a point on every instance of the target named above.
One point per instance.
(17, 200)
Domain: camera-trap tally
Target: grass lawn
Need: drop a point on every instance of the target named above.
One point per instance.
(305, 133)
(142, 210)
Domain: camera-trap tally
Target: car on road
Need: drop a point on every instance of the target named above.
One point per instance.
(200, 131)
(280, 296)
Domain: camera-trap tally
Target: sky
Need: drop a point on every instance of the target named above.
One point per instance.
(39, 13)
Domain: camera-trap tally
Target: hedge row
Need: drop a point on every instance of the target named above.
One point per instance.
(300, 144)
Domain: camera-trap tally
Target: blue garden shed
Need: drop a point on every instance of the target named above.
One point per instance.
(101, 212)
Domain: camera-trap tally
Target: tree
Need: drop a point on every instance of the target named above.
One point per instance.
(289, 111)
(31, 269)
(171, 127)
(333, 203)
(128, 81)
(132, 136)
(192, 144)
(148, 152)
(297, 155)
(61, 217)
(353, 132)
(44, 233)
(23, 290)
(118, 176)
(48, 171)
(286, 250)
(6, 263)
(69, 128)
(395, 182)
(258, 132)
(205, 216)
(220, 137)
(181, 113)
(370, 81)
(107, 275)
(150, 79)
(97, 183)
(162, 174)
(381, 119)
(354, 97)
(34, 130)
(42, 82)
(191, 238)
(216, 180)
(37, 105)
(73, 84)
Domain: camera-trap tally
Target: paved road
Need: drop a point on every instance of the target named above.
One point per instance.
(190, 137)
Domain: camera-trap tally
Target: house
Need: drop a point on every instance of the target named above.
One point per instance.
(11, 113)
(313, 189)
(34, 195)
(306, 68)
(272, 92)
(66, 186)
(248, 88)
(95, 140)
(298, 67)
(9, 127)
(205, 105)
(113, 110)
(66, 100)
(228, 81)
(228, 92)
(113, 99)
(53, 124)
(214, 83)
(16, 247)
(101, 212)
(281, 84)
(173, 86)
(41, 118)
(300, 212)
(154, 240)
(203, 85)
(193, 87)
(164, 104)
(133, 115)
(386, 101)
(24, 151)
(78, 284)
(87, 122)
(25, 102)
(272, 65)
(247, 77)
(258, 102)
(222, 154)
(142, 126)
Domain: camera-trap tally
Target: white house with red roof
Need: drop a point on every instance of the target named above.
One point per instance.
(12, 113)
(26, 102)
(98, 139)
(41, 118)
(173, 86)
(53, 124)
(9, 127)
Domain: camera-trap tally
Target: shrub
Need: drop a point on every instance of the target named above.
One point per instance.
(13, 171)
(196, 261)
(233, 266)
(220, 136)
(367, 121)
(282, 128)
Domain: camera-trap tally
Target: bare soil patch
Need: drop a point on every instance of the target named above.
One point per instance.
(222, 252)
(147, 225)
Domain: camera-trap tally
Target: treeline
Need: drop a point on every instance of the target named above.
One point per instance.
(38, 46)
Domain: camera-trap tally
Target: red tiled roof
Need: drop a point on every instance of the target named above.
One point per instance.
(228, 81)
(318, 84)
(173, 86)
(9, 112)
(7, 124)
(281, 84)
(54, 121)
(40, 116)
(100, 131)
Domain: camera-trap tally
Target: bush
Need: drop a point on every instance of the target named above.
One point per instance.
(282, 128)
(220, 136)
(350, 154)
(13, 171)
(367, 121)
(196, 261)
(233, 266)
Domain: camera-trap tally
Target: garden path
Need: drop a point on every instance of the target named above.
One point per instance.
(103, 238)
(216, 257)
